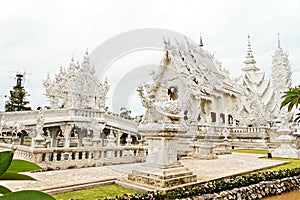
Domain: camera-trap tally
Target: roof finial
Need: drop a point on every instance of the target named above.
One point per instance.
(72, 58)
(250, 62)
(200, 42)
(167, 43)
(249, 52)
(278, 40)
(87, 51)
(249, 45)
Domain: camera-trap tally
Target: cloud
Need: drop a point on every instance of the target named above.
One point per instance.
(39, 36)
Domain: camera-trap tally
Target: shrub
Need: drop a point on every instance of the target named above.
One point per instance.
(215, 186)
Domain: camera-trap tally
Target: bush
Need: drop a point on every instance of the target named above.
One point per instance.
(216, 186)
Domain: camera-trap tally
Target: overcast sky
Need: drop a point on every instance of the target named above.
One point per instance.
(40, 36)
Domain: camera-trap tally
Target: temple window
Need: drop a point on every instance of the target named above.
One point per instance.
(185, 117)
(199, 118)
(230, 119)
(213, 117)
(222, 116)
(173, 93)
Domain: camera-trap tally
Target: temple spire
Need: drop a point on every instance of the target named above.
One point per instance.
(278, 41)
(281, 70)
(250, 62)
(200, 42)
(86, 60)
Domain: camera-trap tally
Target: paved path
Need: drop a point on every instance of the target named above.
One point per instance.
(225, 165)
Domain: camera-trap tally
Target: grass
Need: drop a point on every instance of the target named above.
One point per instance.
(293, 163)
(17, 166)
(108, 191)
(253, 151)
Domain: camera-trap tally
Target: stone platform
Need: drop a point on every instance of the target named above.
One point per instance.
(162, 171)
(162, 179)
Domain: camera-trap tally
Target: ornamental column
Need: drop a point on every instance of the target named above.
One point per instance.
(66, 132)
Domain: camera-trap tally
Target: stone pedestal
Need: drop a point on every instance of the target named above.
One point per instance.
(162, 171)
(205, 151)
(162, 150)
(286, 149)
(163, 179)
(39, 141)
(96, 141)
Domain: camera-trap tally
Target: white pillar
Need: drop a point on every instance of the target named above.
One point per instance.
(66, 132)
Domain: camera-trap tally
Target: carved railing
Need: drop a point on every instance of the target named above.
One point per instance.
(54, 117)
(249, 130)
(121, 123)
(78, 157)
(232, 129)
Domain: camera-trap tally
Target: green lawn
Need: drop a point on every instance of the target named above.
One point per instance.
(253, 151)
(293, 163)
(109, 191)
(19, 166)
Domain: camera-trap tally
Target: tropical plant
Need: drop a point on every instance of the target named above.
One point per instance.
(291, 99)
(5, 161)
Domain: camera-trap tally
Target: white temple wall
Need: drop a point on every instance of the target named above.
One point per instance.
(194, 110)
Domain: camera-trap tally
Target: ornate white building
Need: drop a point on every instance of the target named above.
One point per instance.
(76, 87)
(210, 96)
(190, 85)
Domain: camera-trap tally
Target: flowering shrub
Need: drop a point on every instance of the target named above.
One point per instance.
(216, 186)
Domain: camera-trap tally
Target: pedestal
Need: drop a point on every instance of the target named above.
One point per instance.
(39, 141)
(204, 151)
(286, 149)
(162, 171)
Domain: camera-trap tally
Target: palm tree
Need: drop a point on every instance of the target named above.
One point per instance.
(291, 99)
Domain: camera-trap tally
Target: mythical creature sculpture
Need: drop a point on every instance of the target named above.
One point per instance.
(165, 110)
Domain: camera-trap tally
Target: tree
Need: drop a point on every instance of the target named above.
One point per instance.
(291, 99)
(17, 97)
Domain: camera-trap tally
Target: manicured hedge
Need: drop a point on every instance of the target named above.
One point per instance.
(216, 186)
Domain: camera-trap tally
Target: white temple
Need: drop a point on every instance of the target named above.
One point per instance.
(190, 84)
(76, 87)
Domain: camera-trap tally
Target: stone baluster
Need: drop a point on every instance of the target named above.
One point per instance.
(47, 157)
(97, 154)
(90, 155)
(76, 156)
(69, 156)
(54, 156)
(38, 157)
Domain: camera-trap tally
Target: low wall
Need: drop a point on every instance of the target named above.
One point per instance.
(57, 158)
(257, 191)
